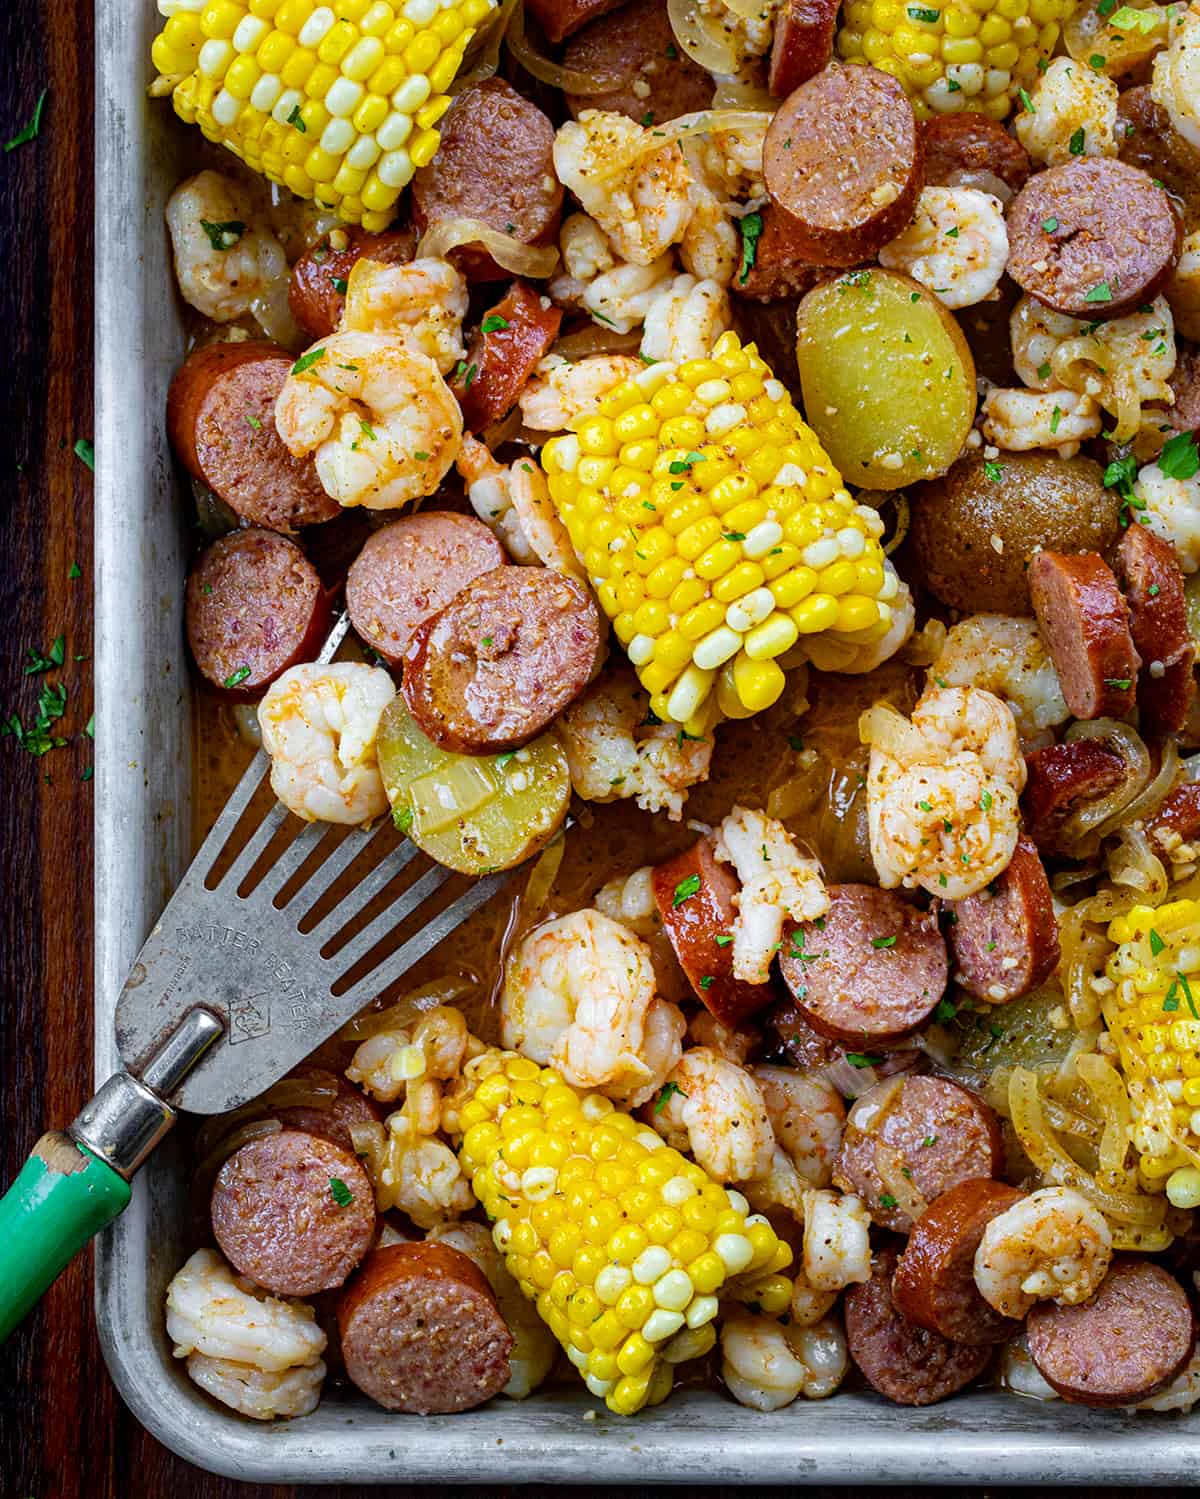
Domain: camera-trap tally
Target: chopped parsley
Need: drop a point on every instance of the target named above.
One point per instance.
(74, 571)
(402, 818)
(946, 1011)
(1180, 458)
(30, 131)
(985, 801)
(1156, 943)
(883, 941)
(993, 471)
(339, 284)
(420, 455)
(1050, 225)
(1026, 102)
(86, 453)
(253, 422)
(340, 1192)
(860, 1059)
(1043, 372)
(223, 236)
(706, 981)
(37, 739)
(1129, 19)
(1056, 416)
(723, 939)
(236, 678)
(493, 323)
(684, 465)
(751, 226)
(734, 535)
(923, 13)
(1075, 147)
(306, 361)
(1101, 292)
(1097, 61)
(886, 1200)
(1122, 684)
(296, 120)
(502, 760)
(928, 1141)
(685, 889)
(1153, 590)
(669, 1091)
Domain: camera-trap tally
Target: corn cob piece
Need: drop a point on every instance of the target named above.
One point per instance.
(337, 102)
(1153, 1015)
(622, 1242)
(715, 531)
(965, 55)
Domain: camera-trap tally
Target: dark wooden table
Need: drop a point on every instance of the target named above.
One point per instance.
(64, 1434)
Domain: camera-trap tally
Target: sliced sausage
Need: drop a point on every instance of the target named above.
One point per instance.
(1153, 583)
(1184, 415)
(350, 1107)
(803, 43)
(221, 423)
(317, 290)
(1004, 939)
(495, 163)
(1147, 139)
(907, 1363)
(254, 606)
(411, 569)
(870, 970)
(972, 150)
(636, 43)
(560, 18)
(1061, 779)
(1093, 238)
(842, 155)
(1175, 827)
(421, 1331)
(781, 265)
(1085, 623)
(502, 659)
(513, 338)
(294, 1212)
(1132, 1338)
(695, 898)
(934, 1285)
(929, 1127)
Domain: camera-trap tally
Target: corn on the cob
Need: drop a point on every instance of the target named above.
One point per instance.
(337, 102)
(1153, 1016)
(965, 55)
(621, 1241)
(715, 531)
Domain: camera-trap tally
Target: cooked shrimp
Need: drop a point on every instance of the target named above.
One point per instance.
(685, 318)
(613, 753)
(808, 1305)
(715, 1110)
(630, 900)
(856, 652)
(942, 791)
(744, 31)
(379, 419)
(1053, 1245)
(636, 193)
(423, 302)
(258, 1393)
(413, 1169)
(514, 502)
(586, 252)
(578, 994)
(711, 248)
(1020, 420)
(1008, 657)
(704, 1029)
(562, 391)
(1175, 84)
(389, 1063)
(214, 1312)
(1180, 1395)
(534, 1349)
(319, 725)
(807, 1116)
(1172, 512)
(224, 261)
(780, 1186)
(621, 297)
(837, 1240)
(1074, 113)
(777, 882)
(766, 1365)
(1019, 1373)
(731, 161)
(956, 245)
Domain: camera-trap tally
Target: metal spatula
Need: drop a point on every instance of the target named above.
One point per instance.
(251, 966)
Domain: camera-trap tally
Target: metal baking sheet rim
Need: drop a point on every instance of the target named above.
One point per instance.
(142, 805)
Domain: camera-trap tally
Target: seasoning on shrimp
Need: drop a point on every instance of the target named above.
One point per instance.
(225, 262)
(1052, 1245)
(766, 1364)
(716, 1111)
(956, 245)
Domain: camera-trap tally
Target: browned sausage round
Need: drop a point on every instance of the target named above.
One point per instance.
(1093, 238)
(294, 1212)
(1177, 820)
(502, 659)
(1085, 623)
(781, 267)
(221, 422)
(927, 1126)
(1147, 139)
(1062, 778)
(1184, 415)
(908, 1364)
(970, 150)
(843, 156)
(1153, 583)
(351, 1106)
(1132, 1338)
(802, 45)
(495, 163)
(1004, 939)
(411, 569)
(254, 607)
(870, 970)
(317, 290)
(636, 43)
(560, 18)
(421, 1331)
(501, 360)
(695, 897)
(934, 1285)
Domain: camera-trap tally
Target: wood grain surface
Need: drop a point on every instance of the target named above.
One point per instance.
(64, 1434)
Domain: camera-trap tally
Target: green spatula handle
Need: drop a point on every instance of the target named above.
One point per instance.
(63, 1195)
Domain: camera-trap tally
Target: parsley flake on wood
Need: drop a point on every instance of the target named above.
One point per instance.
(32, 129)
(86, 453)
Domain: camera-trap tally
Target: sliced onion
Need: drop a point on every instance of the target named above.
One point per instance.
(570, 80)
(1133, 864)
(596, 339)
(734, 91)
(446, 990)
(1097, 817)
(891, 1167)
(699, 39)
(1112, 1101)
(535, 261)
(1150, 798)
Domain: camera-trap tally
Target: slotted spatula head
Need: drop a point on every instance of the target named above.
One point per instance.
(271, 943)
